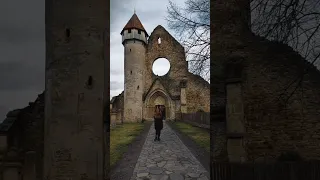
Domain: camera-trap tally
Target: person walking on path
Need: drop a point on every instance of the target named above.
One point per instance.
(158, 123)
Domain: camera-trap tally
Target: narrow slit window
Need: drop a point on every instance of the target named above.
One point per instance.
(159, 40)
(67, 33)
(130, 72)
(138, 87)
(129, 30)
(139, 31)
(90, 81)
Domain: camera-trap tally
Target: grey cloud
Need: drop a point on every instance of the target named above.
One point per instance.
(15, 76)
(18, 34)
(16, 99)
(22, 53)
(24, 22)
(116, 85)
(116, 72)
(117, 11)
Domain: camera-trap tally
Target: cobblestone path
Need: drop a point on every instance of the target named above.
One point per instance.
(168, 159)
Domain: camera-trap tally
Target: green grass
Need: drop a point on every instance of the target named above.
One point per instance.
(120, 138)
(198, 135)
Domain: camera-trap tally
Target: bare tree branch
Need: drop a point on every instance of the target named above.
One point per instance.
(292, 22)
(192, 25)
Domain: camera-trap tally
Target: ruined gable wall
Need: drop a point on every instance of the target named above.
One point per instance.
(118, 103)
(171, 50)
(198, 90)
(198, 94)
(118, 107)
(272, 125)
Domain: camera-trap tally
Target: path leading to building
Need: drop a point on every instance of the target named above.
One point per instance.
(168, 159)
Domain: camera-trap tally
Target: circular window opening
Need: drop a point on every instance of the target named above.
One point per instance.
(161, 67)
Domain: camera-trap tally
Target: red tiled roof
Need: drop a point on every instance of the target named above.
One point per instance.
(134, 23)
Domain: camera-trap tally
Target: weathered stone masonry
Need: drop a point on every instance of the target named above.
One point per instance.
(265, 124)
(22, 142)
(179, 90)
(75, 89)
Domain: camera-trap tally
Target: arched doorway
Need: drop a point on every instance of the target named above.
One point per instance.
(158, 99)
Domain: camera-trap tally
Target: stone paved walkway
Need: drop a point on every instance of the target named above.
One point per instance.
(168, 159)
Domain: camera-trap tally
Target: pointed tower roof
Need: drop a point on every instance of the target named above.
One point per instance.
(134, 23)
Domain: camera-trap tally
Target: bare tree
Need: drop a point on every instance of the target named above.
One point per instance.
(292, 22)
(192, 25)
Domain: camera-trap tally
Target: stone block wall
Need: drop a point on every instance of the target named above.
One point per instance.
(133, 79)
(198, 94)
(117, 109)
(22, 135)
(274, 123)
(171, 50)
(218, 142)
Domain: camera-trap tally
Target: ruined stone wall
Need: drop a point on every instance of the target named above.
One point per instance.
(171, 50)
(273, 123)
(118, 103)
(24, 131)
(31, 123)
(198, 94)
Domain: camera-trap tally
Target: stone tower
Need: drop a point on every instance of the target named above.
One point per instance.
(134, 40)
(74, 134)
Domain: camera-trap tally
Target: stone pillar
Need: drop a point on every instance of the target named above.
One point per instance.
(183, 96)
(235, 114)
(29, 166)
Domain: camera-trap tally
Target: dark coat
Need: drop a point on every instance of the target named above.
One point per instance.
(158, 123)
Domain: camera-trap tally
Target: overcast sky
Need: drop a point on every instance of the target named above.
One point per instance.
(151, 13)
(22, 46)
(22, 53)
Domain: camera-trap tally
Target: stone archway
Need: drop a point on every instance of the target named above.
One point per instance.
(158, 97)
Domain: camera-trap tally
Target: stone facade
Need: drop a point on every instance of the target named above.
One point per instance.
(22, 142)
(251, 89)
(179, 90)
(274, 122)
(75, 89)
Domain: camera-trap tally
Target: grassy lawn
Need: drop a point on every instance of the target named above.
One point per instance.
(199, 135)
(120, 138)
